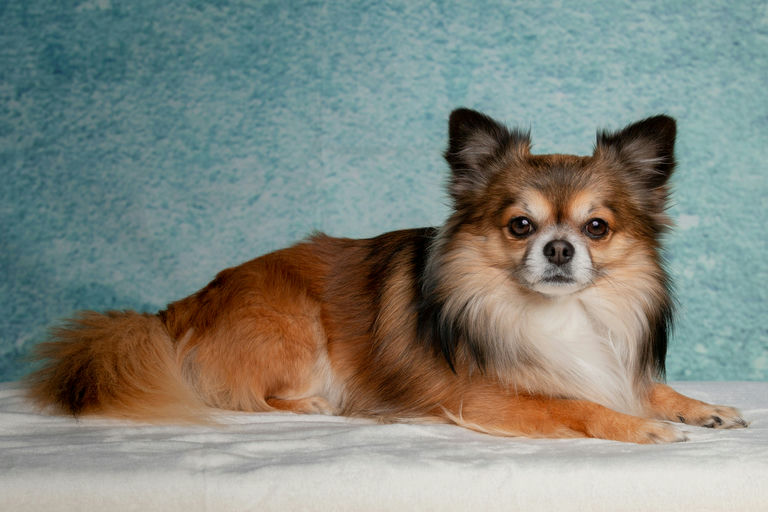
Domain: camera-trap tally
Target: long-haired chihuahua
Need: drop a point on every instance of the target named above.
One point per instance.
(540, 308)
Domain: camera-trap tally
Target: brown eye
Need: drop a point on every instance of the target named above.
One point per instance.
(596, 228)
(520, 227)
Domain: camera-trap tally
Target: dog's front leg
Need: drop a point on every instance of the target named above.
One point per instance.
(666, 403)
(503, 413)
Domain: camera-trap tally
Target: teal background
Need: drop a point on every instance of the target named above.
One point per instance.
(145, 145)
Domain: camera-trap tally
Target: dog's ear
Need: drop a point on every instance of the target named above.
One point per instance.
(646, 149)
(476, 144)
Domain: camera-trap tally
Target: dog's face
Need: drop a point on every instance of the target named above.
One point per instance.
(552, 240)
(558, 224)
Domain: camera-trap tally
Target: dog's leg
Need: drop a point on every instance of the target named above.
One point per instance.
(309, 405)
(666, 403)
(502, 413)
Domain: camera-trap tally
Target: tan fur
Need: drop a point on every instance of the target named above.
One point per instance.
(341, 326)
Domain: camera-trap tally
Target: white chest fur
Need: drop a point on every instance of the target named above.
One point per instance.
(566, 349)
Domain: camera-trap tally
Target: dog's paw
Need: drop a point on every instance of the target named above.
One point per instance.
(309, 405)
(715, 416)
(319, 405)
(659, 432)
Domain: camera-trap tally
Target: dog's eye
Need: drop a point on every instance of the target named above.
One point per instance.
(520, 227)
(596, 228)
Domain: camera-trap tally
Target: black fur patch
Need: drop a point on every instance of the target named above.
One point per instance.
(443, 334)
(658, 337)
(435, 331)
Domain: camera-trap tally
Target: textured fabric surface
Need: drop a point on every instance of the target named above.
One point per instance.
(146, 144)
(283, 462)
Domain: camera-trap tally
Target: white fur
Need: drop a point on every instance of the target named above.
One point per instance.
(580, 355)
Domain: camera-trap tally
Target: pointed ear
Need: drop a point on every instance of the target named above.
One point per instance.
(475, 144)
(645, 148)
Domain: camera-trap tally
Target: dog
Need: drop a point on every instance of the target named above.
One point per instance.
(541, 308)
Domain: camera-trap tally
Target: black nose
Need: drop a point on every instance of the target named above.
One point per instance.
(558, 252)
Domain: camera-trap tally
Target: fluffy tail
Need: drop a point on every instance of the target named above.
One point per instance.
(119, 363)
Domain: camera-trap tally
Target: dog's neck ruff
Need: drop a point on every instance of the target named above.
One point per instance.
(585, 345)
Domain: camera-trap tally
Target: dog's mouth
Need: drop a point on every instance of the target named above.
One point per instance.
(557, 283)
(558, 279)
(558, 276)
(555, 279)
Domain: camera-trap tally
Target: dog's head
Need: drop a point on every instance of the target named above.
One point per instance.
(560, 223)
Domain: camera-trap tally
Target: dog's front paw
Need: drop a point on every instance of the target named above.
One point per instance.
(715, 416)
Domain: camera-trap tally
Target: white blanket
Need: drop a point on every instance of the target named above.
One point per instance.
(284, 462)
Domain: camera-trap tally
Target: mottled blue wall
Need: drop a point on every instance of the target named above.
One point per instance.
(145, 145)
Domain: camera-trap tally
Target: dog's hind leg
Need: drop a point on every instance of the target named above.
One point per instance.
(255, 333)
(308, 405)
